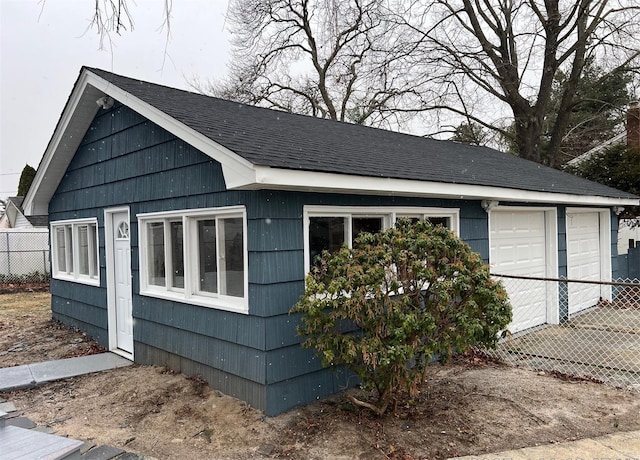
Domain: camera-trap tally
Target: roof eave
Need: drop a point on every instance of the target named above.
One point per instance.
(72, 125)
(287, 179)
(75, 121)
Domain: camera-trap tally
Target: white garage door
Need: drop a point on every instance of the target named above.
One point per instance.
(583, 259)
(518, 247)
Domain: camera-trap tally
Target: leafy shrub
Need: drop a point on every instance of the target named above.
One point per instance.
(400, 298)
(32, 277)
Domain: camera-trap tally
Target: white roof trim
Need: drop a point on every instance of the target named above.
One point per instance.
(236, 169)
(62, 146)
(76, 119)
(287, 179)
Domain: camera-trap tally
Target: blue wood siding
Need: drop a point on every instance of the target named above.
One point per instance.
(81, 306)
(247, 390)
(205, 349)
(615, 271)
(563, 288)
(562, 241)
(268, 300)
(244, 330)
(307, 388)
(276, 234)
(474, 228)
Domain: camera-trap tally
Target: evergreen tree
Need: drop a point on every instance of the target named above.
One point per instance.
(470, 133)
(599, 108)
(26, 178)
(617, 167)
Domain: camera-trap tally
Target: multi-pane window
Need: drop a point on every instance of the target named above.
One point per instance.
(75, 250)
(329, 228)
(196, 256)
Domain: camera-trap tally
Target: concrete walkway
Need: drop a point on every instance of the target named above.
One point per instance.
(20, 438)
(31, 375)
(623, 446)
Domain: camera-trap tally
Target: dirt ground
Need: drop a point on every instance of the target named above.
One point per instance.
(28, 335)
(470, 407)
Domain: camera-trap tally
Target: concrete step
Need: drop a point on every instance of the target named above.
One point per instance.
(31, 375)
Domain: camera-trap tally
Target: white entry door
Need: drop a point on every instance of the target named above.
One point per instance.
(120, 301)
(518, 247)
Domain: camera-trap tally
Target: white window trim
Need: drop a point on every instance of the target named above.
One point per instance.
(190, 292)
(72, 252)
(389, 214)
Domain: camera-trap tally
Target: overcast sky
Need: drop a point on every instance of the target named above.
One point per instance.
(42, 48)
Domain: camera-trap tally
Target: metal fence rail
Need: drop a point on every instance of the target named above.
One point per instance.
(24, 257)
(596, 338)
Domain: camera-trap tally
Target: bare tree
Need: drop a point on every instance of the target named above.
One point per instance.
(337, 59)
(489, 55)
(114, 16)
(490, 63)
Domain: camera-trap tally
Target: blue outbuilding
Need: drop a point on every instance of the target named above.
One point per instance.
(182, 226)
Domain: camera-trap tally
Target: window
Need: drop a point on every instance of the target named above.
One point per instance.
(195, 256)
(328, 228)
(177, 255)
(326, 233)
(123, 231)
(75, 250)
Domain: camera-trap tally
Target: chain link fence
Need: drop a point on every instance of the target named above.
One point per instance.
(584, 329)
(24, 256)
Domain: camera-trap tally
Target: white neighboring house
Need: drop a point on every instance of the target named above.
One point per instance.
(14, 216)
(628, 229)
(628, 234)
(24, 241)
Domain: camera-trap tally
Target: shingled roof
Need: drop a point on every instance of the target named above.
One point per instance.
(264, 148)
(283, 140)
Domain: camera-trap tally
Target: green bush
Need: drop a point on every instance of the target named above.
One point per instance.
(32, 277)
(400, 298)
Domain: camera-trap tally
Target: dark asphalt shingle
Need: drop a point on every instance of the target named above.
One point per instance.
(283, 140)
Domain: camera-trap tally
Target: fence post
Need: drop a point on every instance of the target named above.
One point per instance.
(8, 256)
(633, 259)
(563, 301)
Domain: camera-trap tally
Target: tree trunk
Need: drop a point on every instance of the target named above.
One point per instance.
(528, 137)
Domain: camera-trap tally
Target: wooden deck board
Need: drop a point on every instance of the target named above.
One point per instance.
(20, 444)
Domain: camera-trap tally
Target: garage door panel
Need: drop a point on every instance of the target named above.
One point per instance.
(518, 247)
(583, 259)
(528, 302)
